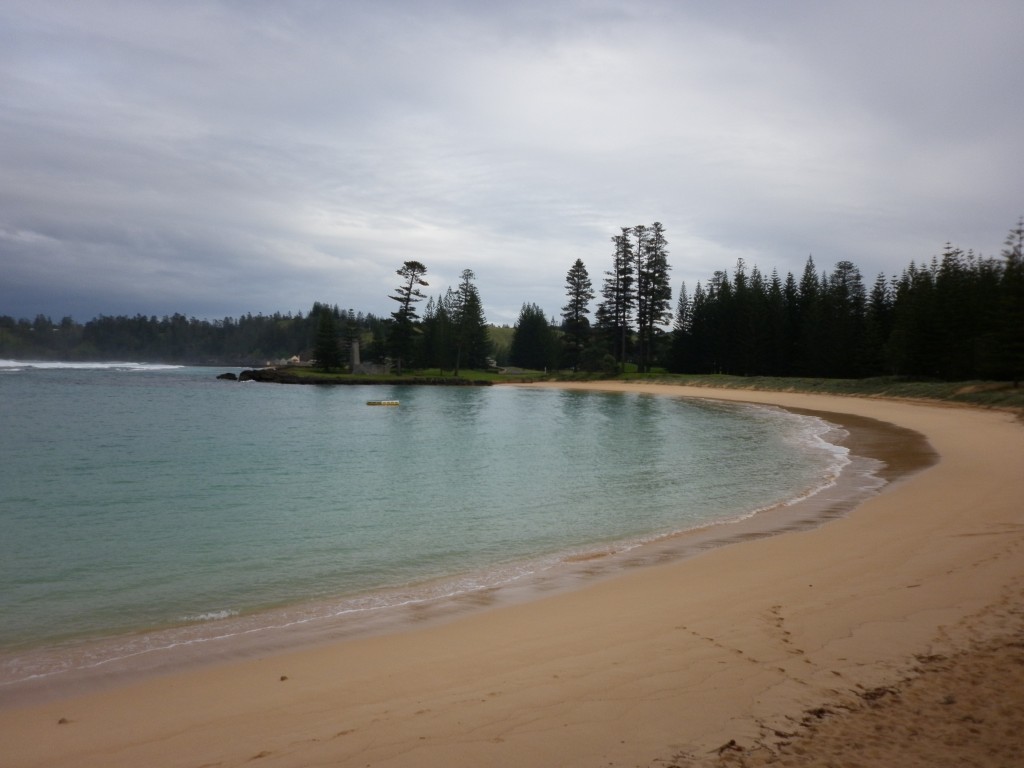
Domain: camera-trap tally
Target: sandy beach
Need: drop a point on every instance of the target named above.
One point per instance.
(893, 635)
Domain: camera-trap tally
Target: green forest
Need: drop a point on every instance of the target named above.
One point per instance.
(245, 341)
(956, 317)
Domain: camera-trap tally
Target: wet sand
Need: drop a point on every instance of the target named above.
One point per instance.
(656, 665)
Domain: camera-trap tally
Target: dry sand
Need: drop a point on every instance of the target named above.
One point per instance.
(892, 636)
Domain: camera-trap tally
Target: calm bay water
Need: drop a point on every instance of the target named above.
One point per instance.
(137, 498)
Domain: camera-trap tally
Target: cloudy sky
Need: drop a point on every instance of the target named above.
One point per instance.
(219, 158)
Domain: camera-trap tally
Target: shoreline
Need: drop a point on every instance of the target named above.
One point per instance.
(652, 664)
(105, 663)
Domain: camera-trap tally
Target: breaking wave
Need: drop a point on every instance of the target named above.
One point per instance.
(11, 366)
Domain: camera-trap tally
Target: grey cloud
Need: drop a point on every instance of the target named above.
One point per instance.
(219, 159)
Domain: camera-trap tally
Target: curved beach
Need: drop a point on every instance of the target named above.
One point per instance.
(717, 658)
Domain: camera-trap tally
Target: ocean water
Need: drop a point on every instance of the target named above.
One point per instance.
(143, 506)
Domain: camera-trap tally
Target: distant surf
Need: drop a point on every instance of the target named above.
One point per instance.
(57, 365)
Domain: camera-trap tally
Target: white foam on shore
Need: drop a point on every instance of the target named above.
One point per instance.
(59, 365)
(209, 616)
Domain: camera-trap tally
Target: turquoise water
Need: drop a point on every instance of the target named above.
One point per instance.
(141, 498)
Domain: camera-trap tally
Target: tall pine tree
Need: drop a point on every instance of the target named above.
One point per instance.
(615, 312)
(326, 350)
(1011, 309)
(469, 327)
(407, 294)
(654, 293)
(533, 340)
(575, 323)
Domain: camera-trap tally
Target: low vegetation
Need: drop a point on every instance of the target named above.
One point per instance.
(985, 394)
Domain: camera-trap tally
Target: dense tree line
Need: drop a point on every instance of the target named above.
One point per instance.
(248, 340)
(959, 317)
